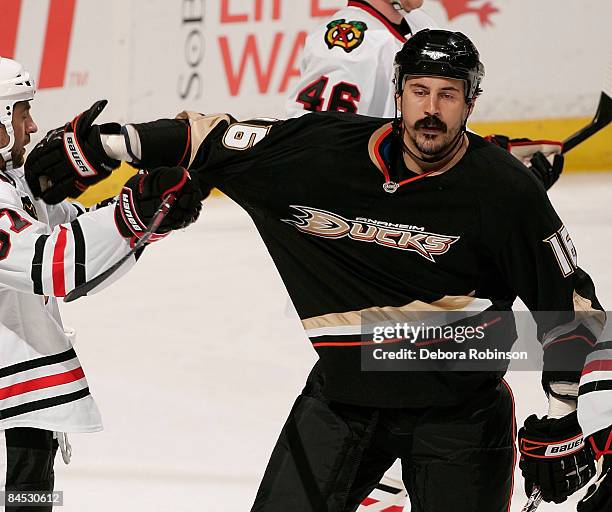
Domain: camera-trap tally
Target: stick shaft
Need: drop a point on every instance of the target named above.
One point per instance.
(534, 500)
(157, 219)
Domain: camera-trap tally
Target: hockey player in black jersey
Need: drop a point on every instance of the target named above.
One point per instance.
(367, 218)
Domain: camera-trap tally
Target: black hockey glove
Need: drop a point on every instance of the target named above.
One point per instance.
(71, 158)
(554, 457)
(542, 157)
(142, 195)
(599, 495)
(548, 173)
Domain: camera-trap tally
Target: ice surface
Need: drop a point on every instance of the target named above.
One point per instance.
(195, 363)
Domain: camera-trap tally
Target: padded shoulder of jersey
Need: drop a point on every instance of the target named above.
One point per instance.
(322, 120)
(332, 130)
(500, 177)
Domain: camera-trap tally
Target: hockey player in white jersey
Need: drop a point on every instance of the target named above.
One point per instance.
(347, 62)
(45, 251)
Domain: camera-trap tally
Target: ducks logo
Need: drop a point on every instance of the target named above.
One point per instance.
(348, 35)
(324, 224)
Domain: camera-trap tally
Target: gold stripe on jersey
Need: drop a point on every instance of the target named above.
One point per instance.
(373, 146)
(413, 164)
(585, 305)
(201, 126)
(409, 312)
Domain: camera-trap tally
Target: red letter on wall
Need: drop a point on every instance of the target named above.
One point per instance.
(8, 32)
(234, 79)
(226, 17)
(292, 68)
(57, 43)
(316, 11)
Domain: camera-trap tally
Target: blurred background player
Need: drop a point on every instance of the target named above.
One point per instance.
(347, 63)
(45, 251)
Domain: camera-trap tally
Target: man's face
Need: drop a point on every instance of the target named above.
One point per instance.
(23, 126)
(433, 112)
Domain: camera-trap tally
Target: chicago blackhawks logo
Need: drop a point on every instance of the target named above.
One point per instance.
(396, 236)
(348, 35)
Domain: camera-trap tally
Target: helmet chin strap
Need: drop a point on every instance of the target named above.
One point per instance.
(5, 152)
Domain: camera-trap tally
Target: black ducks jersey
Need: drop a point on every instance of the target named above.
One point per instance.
(351, 231)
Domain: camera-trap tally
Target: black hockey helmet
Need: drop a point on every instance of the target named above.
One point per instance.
(440, 53)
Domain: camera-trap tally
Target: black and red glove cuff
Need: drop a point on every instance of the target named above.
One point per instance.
(601, 443)
(127, 218)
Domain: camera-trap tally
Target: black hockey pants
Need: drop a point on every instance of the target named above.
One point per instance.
(330, 456)
(26, 460)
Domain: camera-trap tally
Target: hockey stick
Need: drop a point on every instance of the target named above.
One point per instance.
(602, 117)
(157, 219)
(534, 500)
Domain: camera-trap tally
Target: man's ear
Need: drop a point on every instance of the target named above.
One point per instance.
(471, 106)
(470, 109)
(398, 102)
(4, 138)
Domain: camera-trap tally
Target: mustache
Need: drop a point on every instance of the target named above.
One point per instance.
(431, 122)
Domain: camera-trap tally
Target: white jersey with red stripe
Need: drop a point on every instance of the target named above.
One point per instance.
(45, 251)
(595, 392)
(347, 62)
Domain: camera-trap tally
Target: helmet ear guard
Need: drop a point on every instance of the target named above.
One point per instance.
(440, 53)
(15, 85)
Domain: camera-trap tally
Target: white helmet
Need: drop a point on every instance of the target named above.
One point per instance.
(15, 85)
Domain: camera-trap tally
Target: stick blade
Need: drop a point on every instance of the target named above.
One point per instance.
(602, 118)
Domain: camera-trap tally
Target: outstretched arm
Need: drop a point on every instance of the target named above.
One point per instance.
(540, 262)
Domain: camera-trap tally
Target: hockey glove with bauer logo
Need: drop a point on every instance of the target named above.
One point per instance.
(71, 158)
(554, 456)
(542, 157)
(599, 495)
(143, 194)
